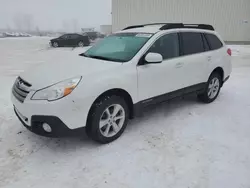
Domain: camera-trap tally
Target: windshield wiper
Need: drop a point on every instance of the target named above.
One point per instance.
(99, 57)
(84, 55)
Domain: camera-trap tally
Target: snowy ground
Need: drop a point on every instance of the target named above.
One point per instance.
(175, 145)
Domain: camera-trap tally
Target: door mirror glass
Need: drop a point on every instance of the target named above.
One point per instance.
(153, 58)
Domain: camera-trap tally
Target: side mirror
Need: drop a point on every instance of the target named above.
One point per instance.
(153, 58)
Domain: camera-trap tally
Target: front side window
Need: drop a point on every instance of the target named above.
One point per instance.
(167, 46)
(192, 43)
(121, 47)
(64, 36)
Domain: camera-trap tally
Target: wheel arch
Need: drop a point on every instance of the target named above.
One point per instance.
(220, 71)
(55, 41)
(117, 92)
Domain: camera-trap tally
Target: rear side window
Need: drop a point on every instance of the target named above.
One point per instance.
(214, 42)
(206, 45)
(74, 36)
(192, 43)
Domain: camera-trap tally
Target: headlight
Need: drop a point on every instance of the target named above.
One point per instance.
(57, 91)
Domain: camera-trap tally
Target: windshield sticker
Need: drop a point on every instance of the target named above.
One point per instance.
(144, 35)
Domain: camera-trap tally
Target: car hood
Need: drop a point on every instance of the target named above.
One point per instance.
(54, 39)
(63, 68)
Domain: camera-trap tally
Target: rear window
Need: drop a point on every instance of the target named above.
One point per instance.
(213, 41)
(192, 43)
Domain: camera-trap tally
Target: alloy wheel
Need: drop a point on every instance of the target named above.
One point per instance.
(112, 120)
(213, 88)
(80, 44)
(55, 44)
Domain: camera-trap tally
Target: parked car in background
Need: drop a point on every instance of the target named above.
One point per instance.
(73, 39)
(15, 34)
(93, 35)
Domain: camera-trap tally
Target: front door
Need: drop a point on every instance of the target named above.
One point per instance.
(155, 80)
(71, 40)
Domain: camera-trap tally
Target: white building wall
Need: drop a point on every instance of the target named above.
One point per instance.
(106, 29)
(231, 18)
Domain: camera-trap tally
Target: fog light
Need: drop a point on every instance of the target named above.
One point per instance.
(47, 128)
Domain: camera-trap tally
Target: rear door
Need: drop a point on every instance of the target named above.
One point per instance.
(217, 55)
(76, 39)
(194, 59)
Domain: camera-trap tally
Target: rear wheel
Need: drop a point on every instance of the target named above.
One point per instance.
(212, 89)
(81, 44)
(108, 119)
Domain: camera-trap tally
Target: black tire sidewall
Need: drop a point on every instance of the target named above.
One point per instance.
(93, 129)
(214, 75)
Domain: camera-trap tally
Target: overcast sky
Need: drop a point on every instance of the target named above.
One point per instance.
(54, 14)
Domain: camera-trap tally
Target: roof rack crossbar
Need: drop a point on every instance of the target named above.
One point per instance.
(167, 26)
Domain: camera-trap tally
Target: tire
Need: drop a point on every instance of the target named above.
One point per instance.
(212, 88)
(105, 128)
(81, 44)
(55, 44)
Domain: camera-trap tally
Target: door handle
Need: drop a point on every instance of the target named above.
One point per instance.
(209, 58)
(179, 65)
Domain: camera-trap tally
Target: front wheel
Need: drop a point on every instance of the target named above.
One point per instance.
(55, 44)
(212, 89)
(108, 119)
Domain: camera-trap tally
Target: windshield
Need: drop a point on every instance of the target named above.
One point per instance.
(120, 47)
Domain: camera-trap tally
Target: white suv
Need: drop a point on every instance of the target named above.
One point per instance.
(101, 89)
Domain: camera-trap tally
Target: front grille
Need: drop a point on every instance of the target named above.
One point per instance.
(21, 89)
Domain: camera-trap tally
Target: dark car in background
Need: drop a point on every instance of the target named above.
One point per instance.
(70, 40)
(93, 35)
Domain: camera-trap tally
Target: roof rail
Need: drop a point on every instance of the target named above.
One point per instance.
(167, 26)
(181, 25)
(143, 25)
(133, 26)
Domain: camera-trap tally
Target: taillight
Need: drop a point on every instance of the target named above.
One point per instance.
(229, 51)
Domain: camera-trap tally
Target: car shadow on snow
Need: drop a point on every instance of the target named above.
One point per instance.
(158, 112)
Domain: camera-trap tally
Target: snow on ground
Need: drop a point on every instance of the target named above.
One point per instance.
(239, 50)
(179, 144)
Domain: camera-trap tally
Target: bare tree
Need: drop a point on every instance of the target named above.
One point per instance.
(28, 21)
(38, 31)
(17, 19)
(8, 28)
(23, 22)
(65, 26)
(75, 25)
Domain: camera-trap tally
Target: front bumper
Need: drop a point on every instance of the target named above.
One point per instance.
(71, 110)
(58, 128)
